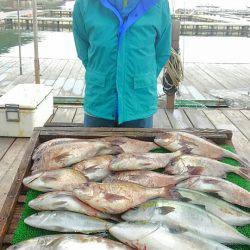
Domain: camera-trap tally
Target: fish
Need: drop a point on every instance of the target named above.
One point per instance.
(69, 241)
(65, 155)
(225, 189)
(65, 179)
(95, 169)
(116, 198)
(230, 214)
(175, 141)
(145, 178)
(159, 237)
(145, 161)
(197, 165)
(65, 201)
(186, 215)
(129, 145)
(67, 222)
(54, 142)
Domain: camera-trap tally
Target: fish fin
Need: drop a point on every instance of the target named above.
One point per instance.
(55, 242)
(211, 181)
(185, 199)
(186, 150)
(49, 178)
(243, 172)
(173, 194)
(116, 218)
(165, 210)
(174, 229)
(200, 206)
(195, 170)
(60, 203)
(62, 156)
(113, 197)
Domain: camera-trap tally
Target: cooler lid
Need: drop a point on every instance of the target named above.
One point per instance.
(27, 96)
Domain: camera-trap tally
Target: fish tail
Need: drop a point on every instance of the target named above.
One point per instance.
(243, 172)
(244, 162)
(244, 240)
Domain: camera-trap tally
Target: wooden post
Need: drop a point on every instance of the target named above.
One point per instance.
(19, 38)
(36, 53)
(176, 45)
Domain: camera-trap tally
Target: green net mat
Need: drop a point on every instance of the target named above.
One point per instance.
(24, 232)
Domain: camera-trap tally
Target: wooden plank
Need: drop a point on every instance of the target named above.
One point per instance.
(14, 191)
(65, 115)
(224, 76)
(8, 166)
(70, 82)
(220, 121)
(161, 120)
(78, 89)
(198, 119)
(63, 77)
(73, 130)
(239, 120)
(246, 113)
(178, 119)
(5, 144)
(56, 72)
(78, 116)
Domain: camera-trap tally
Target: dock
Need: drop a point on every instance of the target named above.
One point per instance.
(191, 24)
(66, 76)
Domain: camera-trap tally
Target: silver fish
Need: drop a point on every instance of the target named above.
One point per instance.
(145, 178)
(224, 210)
(175, 141)
(197, 165)
(55, 180)
(158, 237)
(64, 201)
(65, 155)
(69, 241)
(66, 222)
(138, 161)
(225, 189)
(191, 217)
(95, 169)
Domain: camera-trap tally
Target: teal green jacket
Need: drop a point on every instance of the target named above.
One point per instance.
(123, 58)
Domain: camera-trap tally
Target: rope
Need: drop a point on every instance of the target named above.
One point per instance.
(173, 73)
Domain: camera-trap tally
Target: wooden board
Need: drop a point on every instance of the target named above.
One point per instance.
(5, 144)
(178, 119)
(240, 142)
(198, 119)
(64, 115)
(161, 120)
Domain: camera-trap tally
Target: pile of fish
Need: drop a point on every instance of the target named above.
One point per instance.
(112, 186)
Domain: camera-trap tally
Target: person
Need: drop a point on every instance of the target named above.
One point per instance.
(123, 44)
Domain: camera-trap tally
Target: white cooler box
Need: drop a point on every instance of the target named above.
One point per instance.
(23, 108)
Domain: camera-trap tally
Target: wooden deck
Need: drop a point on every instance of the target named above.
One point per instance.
(12, 149)
(67, 77)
